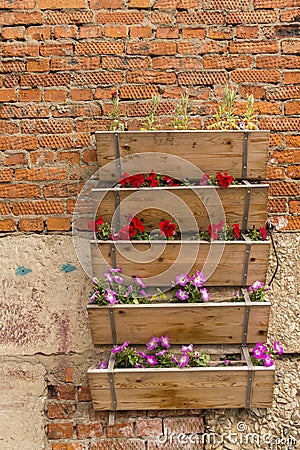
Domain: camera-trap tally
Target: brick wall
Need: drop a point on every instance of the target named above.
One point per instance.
(61, 60)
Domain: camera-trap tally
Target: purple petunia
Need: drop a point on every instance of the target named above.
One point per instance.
(257, 353)
(139, 282)
(173, 359)
(188, 348)
(183, 360)
(93, 297)
(205, 294)
(117, 279)
(120, 348)
(227, 362)
(255, 286)
(102, 365)
(183, 279)
(110, 296)
(199, 279)
(150, 359)
(118, 270)
(95, 281)
(268, 361)
(182, 295)
(108, 277)
(165, 341)
(278, 348)
(260, 346)
(142, 354)
(152, 343)
(161, 353)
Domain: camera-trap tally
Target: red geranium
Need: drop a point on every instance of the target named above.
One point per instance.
(137, 180)
(170, 181)
(236, 230)
(137, 224)
(152, 179)
(224, 180)
(95, 225)
(214, 228)
(263, 233)
(205, 181)
(167, 228)
(124, 179)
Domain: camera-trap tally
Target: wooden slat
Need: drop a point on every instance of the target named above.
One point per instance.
(222, 263)
(210, 151)
(209, 323)
(204, 388)
(193, 208)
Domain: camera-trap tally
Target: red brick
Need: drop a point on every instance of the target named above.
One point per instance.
(277, 205)
(201, 48)
(226, 62)
(284, 93)
(61, 392)
(278, 62)
(46, 126)
(292, 108)
(134, 92)
(140, 31)
(167, 33)
(31, 224)
(193, 33)
(286, 223)
(128, 444)
(269, 108)
(6, 175)
(41, 65)
(13, 32)
(152, 77)
(61, 4)
(18, 4)
(7, 225)
(293, 172)
(167, 63)
(20, 18)
(118, 62)
(283, 189)
(91, 430)
(55, 95)
(41, 207)
(276, 3)
(62, 190)
(69, 157)
(12, 66)
(74, 446)
(289, 16)
(51, 79)
(90, 31)
(60, 410)
(115, 31)
(40, 174)
(8, 127)
(84, 394)
(56, 49)
(19, 142)
(30, 95)
(256, 91)
(19, 191)
(77, 63)
(286, 157)
(255, 76)
(65, 31)
(291, 46)
(106, 4)
(60, 431)
(200, 18)
(294, 206)
(275, 173)
(41, 158)
(20, 49)
(92, 125)
(123, 17)
(253, 47)
(139, 4)
(58, 224)
(184, 425)
(293, 142)
(151, 48)
(120, 429)
(254, 17)
(69, 17)
(162, 18)
(275, 140)
(247, 32)
(198, 78)
(89, 156)
(291, 77)
(148, 427)
(5, 208)
(69, 374)
(226, 4)
(56, 142)
(39, 33)
(280, 124)
(8, 95)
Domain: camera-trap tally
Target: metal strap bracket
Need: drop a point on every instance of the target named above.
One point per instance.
(246, 316)
(246, 260)
(112, 388)
(112, 324)
(246, 205)
(113, 255)
(246, 355)
(117, 209)
(117, 155)
(245, 155)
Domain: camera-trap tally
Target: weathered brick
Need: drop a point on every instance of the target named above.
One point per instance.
(90, 31)
(62, 190)
(5, 208)
(292, 77)
(84, 394)
(285, 223)
(6, 175)
(276, 4)
(278, 62)
(277, 205)
(20, 18)
(226, 4)
(40, 207)
(55, 49)
(226, 62)
(74, 446)
(69, 157)
(46, 126)
(283, 189)
(89, 156)
(20, 49)
(148, 427)
(268, 108)
(65, 31)
(128, 444)
(15, 159)
(39, 33)
(293, 172)
(116, 31)
(18, 4)
(197, 78)
(77, 110)
(275, 140)
(90, 430)
(61, 4)
(81, 94)
(290, 15)
(139, 4)
(124, 17)
(12, 66)
(72, 17)
(120, 429)
(151, 48)
(77, 63)
(40, 158)
(191, 33)
(31, 225)
(247, 32)
(293, 141)
(7, 225)
(253, 47)
(133, 92)
(140, 31)
(200, 18)
(8, 95)
(254, 17)
(291, 46)
(11, 80)
(162, 18)
(22, 111)
(255, 76)
(30, 95)
(201, 47)
(60, 430)
(184, 425)
(69, 374)
(294, 206)
(58, 224)
(119, 62)
(283, 93)
(280, 123)
(13, 32)
(60, 410)
(220, 33)
(41, 65)
(286, 157)
(51, 79)
(19, 143)
(275, 173)
(70, 206)
(167, 33)
(61, 392)
(40, 174)
(106, 4)
(152, 77)
(55, 95)
(292, 108)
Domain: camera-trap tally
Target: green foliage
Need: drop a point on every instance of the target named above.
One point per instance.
(151, 120)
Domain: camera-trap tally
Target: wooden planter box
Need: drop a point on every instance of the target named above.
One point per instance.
(224, 263)
(188, 388)
(243, 154)
(200, 323)
(244, 204)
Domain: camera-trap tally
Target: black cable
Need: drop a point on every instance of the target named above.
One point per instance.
(269, 228)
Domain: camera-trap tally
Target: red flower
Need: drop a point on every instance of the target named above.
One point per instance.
(205, 181)
(167, 228)
(137, 180)
(124, 233)
(137, 224)
(212, 229)
(95, 225)
(170, 181)
(152, 179)
(263, 233)
(124, 179)
(236, 230)
(224, 180)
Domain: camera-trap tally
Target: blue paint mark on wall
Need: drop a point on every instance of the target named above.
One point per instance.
(22, 271)
(67, 268)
